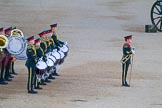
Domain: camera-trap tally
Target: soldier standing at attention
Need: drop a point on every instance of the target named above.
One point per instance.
(43, 43)
(126, 59)
(31, 63)
(55, 35)
(44, 46)
(40, 54)
(47, 41)
(2, 68)
(57, 42)
(51, 45)
(2, 62)
(9, 58)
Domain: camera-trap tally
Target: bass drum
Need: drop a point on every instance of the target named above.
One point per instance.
(22, 56)
(16, 45)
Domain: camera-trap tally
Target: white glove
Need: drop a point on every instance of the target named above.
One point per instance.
(133, 50)
(66, 43)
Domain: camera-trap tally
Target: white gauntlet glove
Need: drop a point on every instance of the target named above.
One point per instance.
(133, 50)
(66, 43)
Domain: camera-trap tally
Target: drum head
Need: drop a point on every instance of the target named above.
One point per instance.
(41, 65)
(16, 45)
(64, 48)
(62, 54)
(56, 55)
(49, 62)
(22, 56)
(52, 58)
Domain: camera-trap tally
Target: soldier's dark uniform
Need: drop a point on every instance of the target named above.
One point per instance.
(51, 46)
(2, 67)
(48, 45)
(57, 42)
(44, 46)
(43, 43)
(40, 53)
(31, 64)
(52, 43)
(9, 58)
(12, 70)
(7, 65)
(55, 36)
(2, 63)
(126, 60)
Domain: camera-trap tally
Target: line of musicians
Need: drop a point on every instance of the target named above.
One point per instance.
(6, 60)
(38, 48)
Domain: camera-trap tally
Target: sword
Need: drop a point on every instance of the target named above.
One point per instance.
(131, 71)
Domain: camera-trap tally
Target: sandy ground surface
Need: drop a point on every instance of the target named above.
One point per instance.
(91, 75)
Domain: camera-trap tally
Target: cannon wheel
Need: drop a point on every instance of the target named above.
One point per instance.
(156, 15)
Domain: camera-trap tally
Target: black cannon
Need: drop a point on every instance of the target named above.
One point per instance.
(156, 15)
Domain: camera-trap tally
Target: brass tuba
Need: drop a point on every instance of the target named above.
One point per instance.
(3, 41)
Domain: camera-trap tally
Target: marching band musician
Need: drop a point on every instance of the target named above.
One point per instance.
(43, 43)
(49, 49)
(31, 63)
(47, 41)
(7, 65)
(55, 35)
(40, 53)
(126, 59)
(2, 66)
(57, 42)
(9, 58)
(51, 46)
(44, 46)
(52, 43)
(2, 63)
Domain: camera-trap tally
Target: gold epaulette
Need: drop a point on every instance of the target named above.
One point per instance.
(37, 47)
(52, 41)
(29, 46)
(42, 51)
(56, 34)
(48, 42)
(32, 47)
(44, 42)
